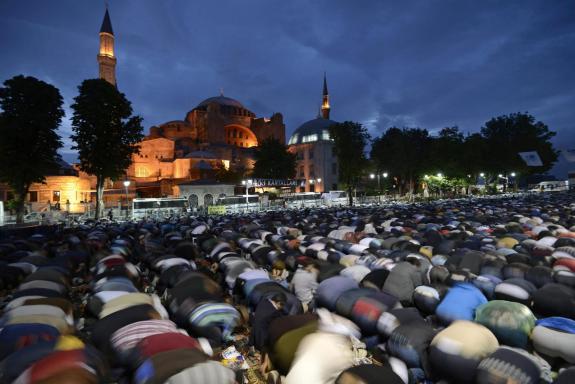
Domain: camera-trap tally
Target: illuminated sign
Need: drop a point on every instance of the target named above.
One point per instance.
(276, 183)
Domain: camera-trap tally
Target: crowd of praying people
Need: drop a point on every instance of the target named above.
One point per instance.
(478, 290)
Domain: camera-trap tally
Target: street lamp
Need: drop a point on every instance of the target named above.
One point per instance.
(513, 174)
(506, 178)
(440, 175)
(126, 185)
(247, 183)
(482, 174)
(372, 176)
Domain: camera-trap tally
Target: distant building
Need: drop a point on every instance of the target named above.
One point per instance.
(201, 193)
(218, 133)
(61, 187)
(311, 142)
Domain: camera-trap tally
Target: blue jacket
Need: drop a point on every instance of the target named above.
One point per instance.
(460, 303)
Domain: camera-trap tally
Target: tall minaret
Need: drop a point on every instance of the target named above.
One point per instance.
(106, 58)
(325, 103)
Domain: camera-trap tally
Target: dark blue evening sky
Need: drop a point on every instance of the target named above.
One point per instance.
(424, 63)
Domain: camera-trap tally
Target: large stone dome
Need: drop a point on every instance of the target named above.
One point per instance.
(227, 105)
(311, 131)
(221, 100)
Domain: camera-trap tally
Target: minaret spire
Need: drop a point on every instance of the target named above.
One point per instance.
(325, 108)
(106, 57)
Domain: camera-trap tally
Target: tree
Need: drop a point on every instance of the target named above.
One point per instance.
(474, 149)
(404, 153)
(349, 140)
(230, 175)
(273, 161)
(31, 113)
(505, 136)
(105, 133)
(446, 153)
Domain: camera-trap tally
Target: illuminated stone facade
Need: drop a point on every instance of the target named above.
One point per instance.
(218, 132)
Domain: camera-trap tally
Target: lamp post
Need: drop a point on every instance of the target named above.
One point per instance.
(247, 183)
(126, 185)
(513, 174)
(506, 179)
(440, 177)
(373, 176)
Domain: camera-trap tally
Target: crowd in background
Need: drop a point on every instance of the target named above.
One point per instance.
(477, 291)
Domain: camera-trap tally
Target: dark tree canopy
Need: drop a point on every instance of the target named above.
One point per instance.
(31, 113)
(273, 161)
(446, 153)
(404, 154)
(105, 132)
(505, 136)
(349, 140)
(230, 175)
(409, 154)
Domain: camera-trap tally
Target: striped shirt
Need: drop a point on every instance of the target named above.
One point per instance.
(128, 336)
(209, 372)
(219, 314)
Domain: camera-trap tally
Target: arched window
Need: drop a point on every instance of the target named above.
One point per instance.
(142, 172)
(235, 133)
(193, 200)
(208, 200)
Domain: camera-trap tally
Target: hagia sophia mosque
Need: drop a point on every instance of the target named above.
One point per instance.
(219, 132)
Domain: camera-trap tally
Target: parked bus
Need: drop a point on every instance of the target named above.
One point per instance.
(237, 204)
(550, 186)
(158, 207)
(334, 198)
(303, 199)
